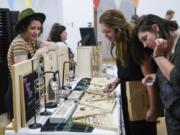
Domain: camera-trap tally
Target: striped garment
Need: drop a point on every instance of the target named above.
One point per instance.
(20, 47)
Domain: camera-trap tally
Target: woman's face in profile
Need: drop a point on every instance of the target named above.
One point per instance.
(33, 30)
(108, 32)
(148, 39)
(63, 36)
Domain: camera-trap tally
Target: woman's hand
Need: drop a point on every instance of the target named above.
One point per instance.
(151, 115)
(41, 52)
(149, 79)
(50, 45)
(161, 48)
(111, 86)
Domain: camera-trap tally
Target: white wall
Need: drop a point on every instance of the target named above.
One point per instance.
(159, 7)
(76, 14)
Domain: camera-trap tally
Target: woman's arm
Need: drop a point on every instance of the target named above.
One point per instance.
(50, 45)
(19, 52)
(164, 65)
(45, 47)
(40, 52)
(20, 58)
(171, 71)
(152, 93)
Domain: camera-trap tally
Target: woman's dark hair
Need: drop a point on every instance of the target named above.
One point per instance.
(55, 32)
(145, 24)
(27, 22)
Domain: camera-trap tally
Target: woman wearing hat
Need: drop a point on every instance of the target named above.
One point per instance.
(25, 45)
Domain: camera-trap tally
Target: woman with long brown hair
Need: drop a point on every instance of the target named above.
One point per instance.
(118, 31)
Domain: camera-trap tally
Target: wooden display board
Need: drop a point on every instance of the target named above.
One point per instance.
(22, 69)
(54, 61)
(138, 102)
(30, 97)
(62, 56)
(95, 107)
(51, 64)
(89, 61)
(19, 69)
(93, 104)
(104, 121)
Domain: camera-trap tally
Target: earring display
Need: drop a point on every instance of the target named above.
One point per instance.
(95, 107)
(45, 112)
(53, 89)
(39, 82)
(65, 90)
(37, 87)
(64, 65)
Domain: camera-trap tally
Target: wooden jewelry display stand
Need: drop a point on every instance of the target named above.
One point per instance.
(95, 107)
(89, 61)
(53, 61)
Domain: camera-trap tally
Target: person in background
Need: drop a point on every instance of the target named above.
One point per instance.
(115, 27)
(58, 35)
(25, 46)
(157, 40)
(169, 14)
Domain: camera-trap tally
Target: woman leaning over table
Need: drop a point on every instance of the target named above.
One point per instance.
(118, 31)
(157, 39)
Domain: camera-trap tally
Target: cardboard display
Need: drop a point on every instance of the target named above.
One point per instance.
(138, 102)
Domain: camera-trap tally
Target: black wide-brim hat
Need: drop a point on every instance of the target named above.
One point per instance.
(27, 13)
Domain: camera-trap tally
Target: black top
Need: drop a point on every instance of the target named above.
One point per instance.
(131, 73)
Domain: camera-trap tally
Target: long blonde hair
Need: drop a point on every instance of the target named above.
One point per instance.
(114, 19)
